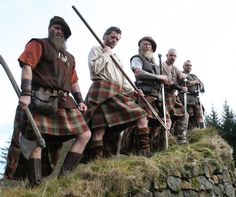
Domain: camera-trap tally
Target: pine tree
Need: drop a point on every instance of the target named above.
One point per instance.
(212, 120)
(3, 155)
(228, 126)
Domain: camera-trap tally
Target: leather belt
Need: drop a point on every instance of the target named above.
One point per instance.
(62, 93)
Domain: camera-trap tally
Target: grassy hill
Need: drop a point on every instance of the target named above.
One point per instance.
(129, 175)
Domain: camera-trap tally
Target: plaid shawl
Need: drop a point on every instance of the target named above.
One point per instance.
(109, 106)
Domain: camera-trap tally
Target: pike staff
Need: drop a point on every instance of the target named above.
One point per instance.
(163, 100)
(162, 90)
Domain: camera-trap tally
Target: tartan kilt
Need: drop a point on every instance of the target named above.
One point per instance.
(117, 110)
(64, 122)
(174, 107)
(194, 110)
(109, 106)
(155, 103)
(55, 129)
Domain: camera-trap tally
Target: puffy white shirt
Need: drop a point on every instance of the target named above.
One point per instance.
(136, 63)
(102, 67)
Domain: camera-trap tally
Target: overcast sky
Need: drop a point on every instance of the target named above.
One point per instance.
(202, 31)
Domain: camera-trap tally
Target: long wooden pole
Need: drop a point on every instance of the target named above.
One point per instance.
(40, 140)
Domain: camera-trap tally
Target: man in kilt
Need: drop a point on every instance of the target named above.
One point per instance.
(194, 107)
(148, 79)
(48, 69)
(177, 117)
(110, 100)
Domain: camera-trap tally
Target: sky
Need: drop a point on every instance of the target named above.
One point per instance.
(202, 31)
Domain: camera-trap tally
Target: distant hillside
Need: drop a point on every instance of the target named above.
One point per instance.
(204, 167)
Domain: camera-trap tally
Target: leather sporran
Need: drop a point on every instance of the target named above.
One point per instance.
(45, 101)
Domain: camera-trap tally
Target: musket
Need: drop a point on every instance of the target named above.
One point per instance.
(163, 101)
(27, 146)
(121, 70)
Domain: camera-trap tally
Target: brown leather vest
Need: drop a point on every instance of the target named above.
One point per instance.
(54, 71)
(148, 86)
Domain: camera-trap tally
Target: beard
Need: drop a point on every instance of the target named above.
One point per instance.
(148, 54)
(58, 42)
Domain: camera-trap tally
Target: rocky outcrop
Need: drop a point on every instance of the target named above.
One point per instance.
(209, 178)
(213, 175)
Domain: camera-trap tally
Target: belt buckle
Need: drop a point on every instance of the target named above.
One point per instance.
(61, 93)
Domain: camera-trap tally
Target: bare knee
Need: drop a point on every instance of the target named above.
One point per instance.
(36, 153)
(85, 136)
(142, 122)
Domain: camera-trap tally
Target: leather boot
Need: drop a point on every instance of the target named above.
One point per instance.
(70, 163)
(143, 142)
(34, 170)
(96, 150)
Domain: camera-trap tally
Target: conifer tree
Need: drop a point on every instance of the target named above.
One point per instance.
(228, 126)
(212, 120)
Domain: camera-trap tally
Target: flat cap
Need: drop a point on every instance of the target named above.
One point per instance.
(59, 20)
(149, 39)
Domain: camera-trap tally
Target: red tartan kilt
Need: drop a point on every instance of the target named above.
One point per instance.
(154, 103)
(173, 105)
(64, 122)
(194, 110)
(118, 110)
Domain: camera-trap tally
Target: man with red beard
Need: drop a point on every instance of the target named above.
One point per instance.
(177, 117)
(148, 79)
(48, 71)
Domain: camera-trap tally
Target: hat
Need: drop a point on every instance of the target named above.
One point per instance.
(60, 21)
(149, 39)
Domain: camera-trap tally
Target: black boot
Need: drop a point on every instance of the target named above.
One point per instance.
(70, 163)
(143, 142)
(96, 150)
(34, 171)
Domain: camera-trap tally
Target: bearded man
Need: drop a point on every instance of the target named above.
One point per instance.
(48, 74)
(148, 79)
